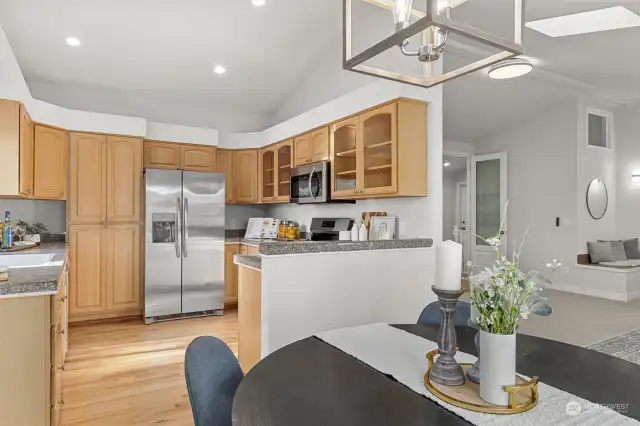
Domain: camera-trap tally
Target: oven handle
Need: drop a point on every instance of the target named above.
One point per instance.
(310, 186)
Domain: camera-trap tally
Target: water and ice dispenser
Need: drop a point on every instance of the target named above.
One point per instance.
(164, 227)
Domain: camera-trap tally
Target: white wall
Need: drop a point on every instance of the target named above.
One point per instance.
(594, 162)
(237, 217)
(459, 147)
(12, 83)
(448, 204)
(627, 126)
(542, 169)
(51, 213)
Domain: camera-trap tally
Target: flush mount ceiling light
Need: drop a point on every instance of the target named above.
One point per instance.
(435, 25)
(219, 69)
(611, 18)
(258, 3)
(72, 41)
(447, 164)
(510, 68)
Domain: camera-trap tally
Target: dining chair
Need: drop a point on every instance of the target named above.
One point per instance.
(431, 314)
(213, 374)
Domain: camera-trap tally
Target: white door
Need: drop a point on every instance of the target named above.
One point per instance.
(488, 202)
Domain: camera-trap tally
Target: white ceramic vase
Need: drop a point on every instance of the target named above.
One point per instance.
(497, 366)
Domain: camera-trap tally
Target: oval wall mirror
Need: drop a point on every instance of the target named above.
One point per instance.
(597, 199)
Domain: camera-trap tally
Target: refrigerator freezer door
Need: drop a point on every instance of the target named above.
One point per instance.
(203, 242)
(163, 276)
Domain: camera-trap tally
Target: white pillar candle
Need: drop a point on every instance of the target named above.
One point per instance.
(449, 266)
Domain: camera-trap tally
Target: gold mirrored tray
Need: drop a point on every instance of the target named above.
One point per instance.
(523, 396)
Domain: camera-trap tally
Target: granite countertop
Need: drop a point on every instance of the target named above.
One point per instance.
(305, 246)
(240, 240)
(35, 281)
(253, 261)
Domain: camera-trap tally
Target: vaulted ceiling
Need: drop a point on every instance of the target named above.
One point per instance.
(155, 59)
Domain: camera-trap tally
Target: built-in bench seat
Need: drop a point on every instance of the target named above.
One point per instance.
(618, 280)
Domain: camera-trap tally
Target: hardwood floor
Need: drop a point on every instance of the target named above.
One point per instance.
(128, 373)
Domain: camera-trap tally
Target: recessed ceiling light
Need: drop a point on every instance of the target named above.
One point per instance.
(447, 164)
(510, 68)
(258, 3)
(611, 18)
(73, 41)
(219, 69)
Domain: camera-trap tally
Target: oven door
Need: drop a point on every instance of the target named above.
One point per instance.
(310, 183)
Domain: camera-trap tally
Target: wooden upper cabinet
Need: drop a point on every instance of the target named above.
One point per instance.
(198, 158)
(320, 145)
(162, 155)
(381, 152)
(378, 168)
(311, 147)
(9, 147)
(122, 258)
(26, 153)
(51, 150)
(87, 175)
(267, 167)
(303, 150)
(87, 268)
(124, 179)
(246, 176)
(224, 164)
(284, 162)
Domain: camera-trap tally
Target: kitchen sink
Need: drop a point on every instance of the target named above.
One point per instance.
(28, 260)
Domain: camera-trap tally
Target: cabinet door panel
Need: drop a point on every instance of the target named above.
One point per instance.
(224, 164)
(267, 175)
(320, 145)
(284, 161)
(344, 148)
(50, 163)
(198, 158)
(162, 155)
(377, 172)
(9, 147)
(86, 284)
(230, 274)
(26, 153)
(246, 170)
(87, 186)
(303, 150)
(123, 267)
(124, 179)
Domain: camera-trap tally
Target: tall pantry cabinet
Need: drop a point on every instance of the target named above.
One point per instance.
(105, 222)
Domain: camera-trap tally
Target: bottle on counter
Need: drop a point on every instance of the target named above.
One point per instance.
(6, 230)
(355, 232)
(363, 233)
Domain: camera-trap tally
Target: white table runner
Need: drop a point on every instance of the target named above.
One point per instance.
(402, 355)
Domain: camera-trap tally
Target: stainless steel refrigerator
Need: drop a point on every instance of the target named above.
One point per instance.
(184, 250)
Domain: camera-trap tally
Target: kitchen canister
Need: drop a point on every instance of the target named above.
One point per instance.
(355, 234)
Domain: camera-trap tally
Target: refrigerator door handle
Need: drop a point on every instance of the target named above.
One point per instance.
(185, 219)
(178, 226)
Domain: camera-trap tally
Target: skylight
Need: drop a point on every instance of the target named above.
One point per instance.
(611, 18)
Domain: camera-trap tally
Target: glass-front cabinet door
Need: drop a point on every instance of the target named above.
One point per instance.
(284, 163)
(268, 175)
(344, 145)
(377, 170)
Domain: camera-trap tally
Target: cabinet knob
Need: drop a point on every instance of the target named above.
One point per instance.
(62, 331)
(61, 368)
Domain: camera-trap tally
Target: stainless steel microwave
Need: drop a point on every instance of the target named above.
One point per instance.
(311, 183)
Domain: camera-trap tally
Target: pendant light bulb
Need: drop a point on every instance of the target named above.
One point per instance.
(402, 13)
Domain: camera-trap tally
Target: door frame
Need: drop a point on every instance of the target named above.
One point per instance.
(502, 156)
(468, 156)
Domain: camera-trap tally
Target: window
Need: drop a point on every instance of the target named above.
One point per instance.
(598, 133)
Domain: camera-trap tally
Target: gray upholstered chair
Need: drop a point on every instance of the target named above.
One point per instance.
(213, 375)
(431, 314)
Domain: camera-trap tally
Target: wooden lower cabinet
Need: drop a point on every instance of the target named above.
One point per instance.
(230, 274)
(249, 317)
(32, 357)
(105, 278)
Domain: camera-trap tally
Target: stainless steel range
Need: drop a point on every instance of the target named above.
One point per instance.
(323, 229)
(184, 250)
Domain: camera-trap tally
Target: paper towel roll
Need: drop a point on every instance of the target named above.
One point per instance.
(449, 266)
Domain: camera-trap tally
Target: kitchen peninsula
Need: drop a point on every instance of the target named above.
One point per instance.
(292, 290)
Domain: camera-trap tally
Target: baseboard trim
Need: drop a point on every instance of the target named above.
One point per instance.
(590, 292)
(107, 316)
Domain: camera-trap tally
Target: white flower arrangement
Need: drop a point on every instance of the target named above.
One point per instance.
(503, 293)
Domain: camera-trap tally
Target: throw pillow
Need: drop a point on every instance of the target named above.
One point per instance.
(632, 248)
(600, 252)
(617, 247)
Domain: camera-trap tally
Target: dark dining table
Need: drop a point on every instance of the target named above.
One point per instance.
(311, 383)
